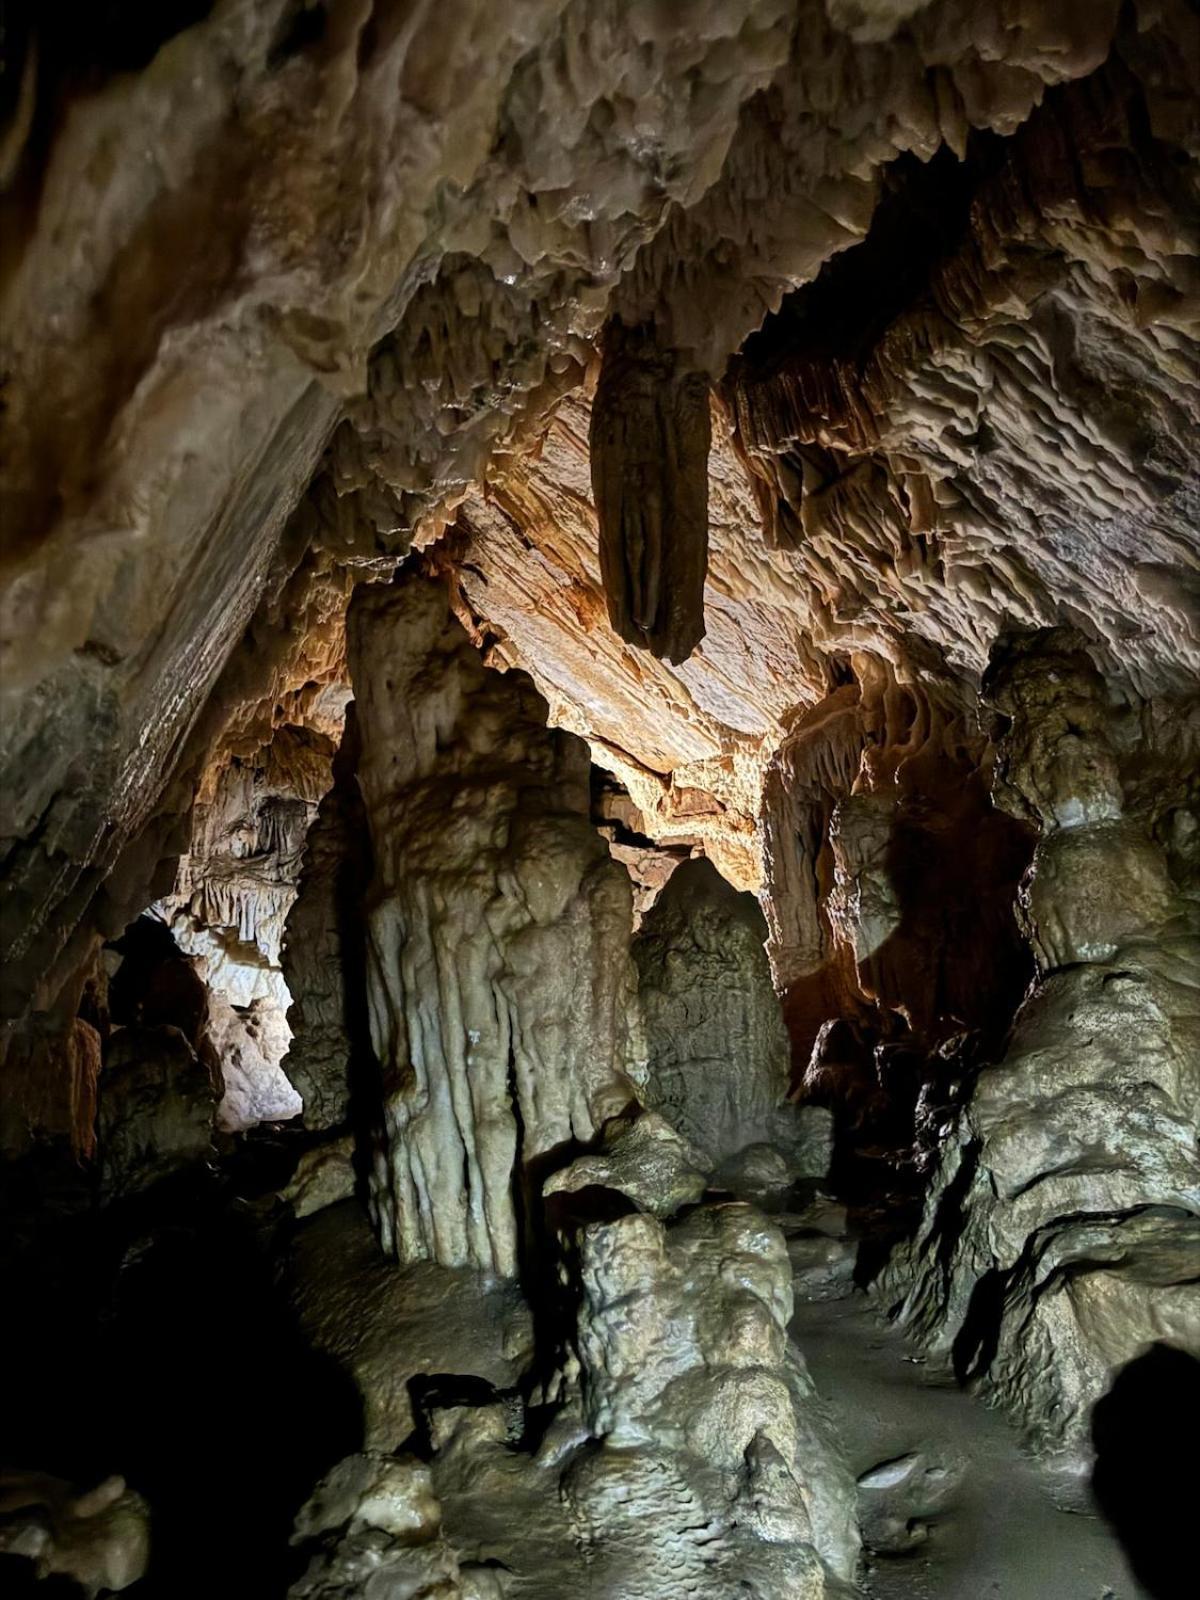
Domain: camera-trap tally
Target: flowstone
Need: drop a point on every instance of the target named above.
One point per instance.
(500, 989)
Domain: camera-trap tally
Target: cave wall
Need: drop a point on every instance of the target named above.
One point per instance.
(229, 905)
(917, 290)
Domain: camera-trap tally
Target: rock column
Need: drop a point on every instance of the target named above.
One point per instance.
(499, 983)
(1060, 1238)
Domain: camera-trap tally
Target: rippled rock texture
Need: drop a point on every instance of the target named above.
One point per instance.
(499, 983)
(649, 454)
(718, 1052)
(415, 236)
(744, 397)
(716, 1466)
(229, 905)
(1060, 1235)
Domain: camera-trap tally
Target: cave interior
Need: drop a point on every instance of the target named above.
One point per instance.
(600, 799)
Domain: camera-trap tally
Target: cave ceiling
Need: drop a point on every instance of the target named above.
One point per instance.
(885, 310)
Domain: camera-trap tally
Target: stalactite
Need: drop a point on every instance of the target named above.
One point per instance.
(650, 436)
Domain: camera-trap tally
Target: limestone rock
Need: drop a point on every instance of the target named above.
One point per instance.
(387, 1326)
(649, 450)
(718, 1050)
(500, 987)
(1054, 1237)
(898, 1499)
(98, 1540)
(716, 1459)
(643, 1159)
(378, 1520)
(759, 1174)
(229, 905)
(48, 1084)
(416, 317)
(391, 1493)
(250, 1044)
(157, 1109)
(322, 952)
(324, 1175)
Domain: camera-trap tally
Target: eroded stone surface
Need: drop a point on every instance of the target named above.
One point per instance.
(378, 1522)
(642, 1158)
(716, 1043)
(157, 1109)
(98, 1539)
(1055, 1238)
(386, 1327)
(429, 264)
(717, 1462)
(498, 976)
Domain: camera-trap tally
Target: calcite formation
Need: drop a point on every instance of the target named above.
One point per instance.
(499, 981)
(157, 1109)
(649, 444)
(97, 1540)
(229, 906)
(717, 1049)
(49, 1078)
(715, 1467)
(512, 184)
(378, 1519)
(730, 450)
(1060, 1232)
(321, 959)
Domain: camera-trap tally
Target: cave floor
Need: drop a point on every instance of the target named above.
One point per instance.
(994, 1531)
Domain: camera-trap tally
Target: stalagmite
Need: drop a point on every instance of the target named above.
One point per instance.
(599, 631)
(718, 1056)
(1060, 1233)
(498, 973)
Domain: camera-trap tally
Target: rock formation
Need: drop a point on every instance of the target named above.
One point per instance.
(498, 975)
(322, 955)
(740, 461)
(717, 1049)
(379, 1520)
(715, 1467)
(157, 1109)
(229, 907)
(98, 1540)
(1060, 1233)
(649, 453)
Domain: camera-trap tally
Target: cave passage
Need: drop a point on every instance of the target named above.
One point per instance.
(599, 800)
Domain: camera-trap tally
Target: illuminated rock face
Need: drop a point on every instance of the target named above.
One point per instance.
(743, 397)
(499, 983)
(411, 249)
